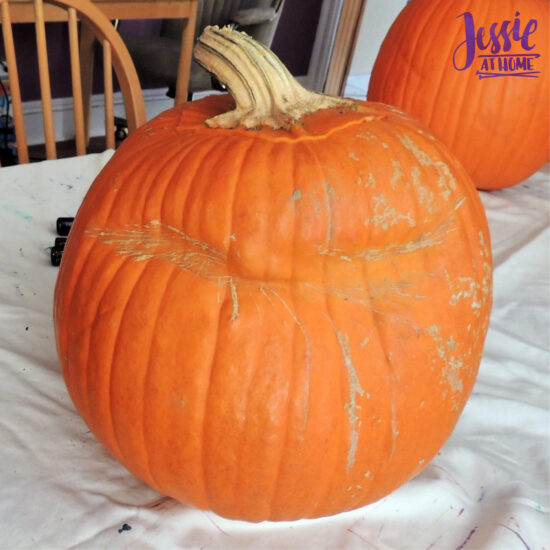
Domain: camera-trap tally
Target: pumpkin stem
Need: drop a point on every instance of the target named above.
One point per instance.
(265, 92)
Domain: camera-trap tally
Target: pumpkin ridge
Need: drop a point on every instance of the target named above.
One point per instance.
(338, 439)
(199, 154)
(350, 423)
(520, 151)
(263, 505)
(153, 172)
(377, 314)
(189, 159)
(93, 197)
(246, 154)
(216, 347)
(307, 361)
(351, 407)
(85, 398)
(114, 445)
(352, 382)
(292, 311)
(224, 322)
(208, 501)
(459, 95)
(419, 38)
(207, 203)
(436, 89)
(147, 378)
(141, 464)
(110, 408)
(82, 401)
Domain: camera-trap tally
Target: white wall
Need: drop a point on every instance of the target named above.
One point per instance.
(377, 19)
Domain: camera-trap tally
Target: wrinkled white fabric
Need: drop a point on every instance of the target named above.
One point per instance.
(488, 488)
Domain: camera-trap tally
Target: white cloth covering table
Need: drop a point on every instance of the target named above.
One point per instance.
(488, 488)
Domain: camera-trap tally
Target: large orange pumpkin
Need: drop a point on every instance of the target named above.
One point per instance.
(279, 322)
(456, 66)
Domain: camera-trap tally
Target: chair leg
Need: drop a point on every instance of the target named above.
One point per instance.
(184, 65)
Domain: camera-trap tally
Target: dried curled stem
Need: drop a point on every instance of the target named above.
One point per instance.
(265, 92)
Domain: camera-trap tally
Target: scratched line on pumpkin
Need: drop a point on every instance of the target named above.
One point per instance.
(166, 243)
(428, 239)
(305, 336)
(156, 241)
(163, 242)
(351, 406)
(160, 241)
(445, 179)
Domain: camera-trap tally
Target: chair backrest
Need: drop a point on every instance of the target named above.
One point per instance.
(115, 55)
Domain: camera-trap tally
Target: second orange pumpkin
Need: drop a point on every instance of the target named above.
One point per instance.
(477, 73)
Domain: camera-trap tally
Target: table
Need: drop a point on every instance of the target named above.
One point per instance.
(22, 11)
(487, 488)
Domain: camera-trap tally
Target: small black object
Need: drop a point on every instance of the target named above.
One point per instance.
(60, 242)
(121, 133)
(125, 527)
(63, 226)
(55, 255)
(7, 158)
(121, 128)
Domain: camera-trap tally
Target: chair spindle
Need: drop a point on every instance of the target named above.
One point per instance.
(109, 100)
(76, 76)
(44, 75)
(9, 48)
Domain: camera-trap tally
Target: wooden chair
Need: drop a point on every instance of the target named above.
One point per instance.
(115, 55)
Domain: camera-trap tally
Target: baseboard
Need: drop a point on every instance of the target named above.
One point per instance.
(156, 101)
